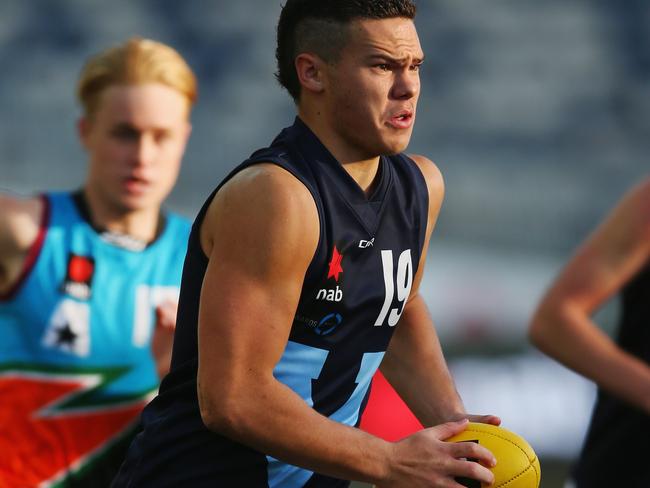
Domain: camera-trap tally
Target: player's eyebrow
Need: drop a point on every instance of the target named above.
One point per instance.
(395, 60)
(125, 127)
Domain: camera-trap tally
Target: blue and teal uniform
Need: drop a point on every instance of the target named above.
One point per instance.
(80, 322)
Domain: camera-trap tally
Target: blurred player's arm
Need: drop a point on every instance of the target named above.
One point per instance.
(162, 340)
(562, 326)
(268, 230)
(414, 363)
(20, 220)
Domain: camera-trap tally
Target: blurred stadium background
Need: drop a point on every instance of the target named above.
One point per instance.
(536, 112)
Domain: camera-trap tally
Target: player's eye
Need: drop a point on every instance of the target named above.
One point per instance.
(125, 133)
(162, 136)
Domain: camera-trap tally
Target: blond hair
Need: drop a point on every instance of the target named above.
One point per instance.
(136, 61)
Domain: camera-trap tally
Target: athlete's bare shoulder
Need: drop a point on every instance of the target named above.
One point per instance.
(20, 220)
(433, 177)
(269, 201)
(431, 173)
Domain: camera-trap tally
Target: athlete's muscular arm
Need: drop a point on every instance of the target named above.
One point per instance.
(562, 326)
(414, 363)
(268, 229)
(19, 226)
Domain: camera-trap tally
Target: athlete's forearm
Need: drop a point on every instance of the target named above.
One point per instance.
(279, 423)
(569, 335)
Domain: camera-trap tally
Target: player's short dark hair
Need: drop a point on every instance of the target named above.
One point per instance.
(320, 27)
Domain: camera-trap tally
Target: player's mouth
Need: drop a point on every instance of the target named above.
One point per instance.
(136, 185)
(401, 120)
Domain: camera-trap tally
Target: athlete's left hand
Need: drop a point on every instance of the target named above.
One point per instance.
(163, 336)
(484, 419)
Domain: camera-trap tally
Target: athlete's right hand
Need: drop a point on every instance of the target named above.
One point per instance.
(425, 460)
(162, 340)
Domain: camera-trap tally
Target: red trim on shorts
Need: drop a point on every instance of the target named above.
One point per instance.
(32, 254)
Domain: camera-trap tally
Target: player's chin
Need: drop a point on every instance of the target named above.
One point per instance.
(396, 140)
(396, 145)
(135, 203)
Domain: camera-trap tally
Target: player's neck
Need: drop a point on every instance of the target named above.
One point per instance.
(141, 225)
(365, 173)
(363, 169)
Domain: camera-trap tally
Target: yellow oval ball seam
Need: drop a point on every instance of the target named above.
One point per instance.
(471, 429)
(485, 431)
(520, 475)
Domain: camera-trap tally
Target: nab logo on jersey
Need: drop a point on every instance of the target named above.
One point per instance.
(335, 270)
(335, 295)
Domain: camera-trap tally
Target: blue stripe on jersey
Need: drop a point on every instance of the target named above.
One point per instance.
(299, 365)
(349, 413)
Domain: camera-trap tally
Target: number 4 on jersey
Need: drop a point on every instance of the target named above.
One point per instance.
(403, 281)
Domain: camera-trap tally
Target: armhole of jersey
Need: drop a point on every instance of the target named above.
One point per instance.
(319, 210)
(33, 253)
(196, 227)
(194, 239)
(423, 228)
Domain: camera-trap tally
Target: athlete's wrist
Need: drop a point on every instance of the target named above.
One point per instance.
(440, 414)
(387, 467)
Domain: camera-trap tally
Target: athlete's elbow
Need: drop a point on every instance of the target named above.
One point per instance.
(216, 414)
(219, 420)
(210, 414)
(541, 325)
(221, 412)
(548, 324)
(536, 330)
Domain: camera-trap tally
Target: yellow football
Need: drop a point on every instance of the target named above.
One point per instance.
(517, 464)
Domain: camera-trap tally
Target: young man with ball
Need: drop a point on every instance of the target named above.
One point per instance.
(302, 278)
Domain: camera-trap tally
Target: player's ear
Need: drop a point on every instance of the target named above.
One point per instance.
(309, 69)
(83, 130)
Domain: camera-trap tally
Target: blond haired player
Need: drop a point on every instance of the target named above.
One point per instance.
(89, 278)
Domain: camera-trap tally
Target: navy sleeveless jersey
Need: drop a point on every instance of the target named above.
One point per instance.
(353, 295)
(616, 448)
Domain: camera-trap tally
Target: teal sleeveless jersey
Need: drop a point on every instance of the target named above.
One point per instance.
(75, 359)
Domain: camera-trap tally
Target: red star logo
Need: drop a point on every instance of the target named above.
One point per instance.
(335, 265)
(80, 268)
